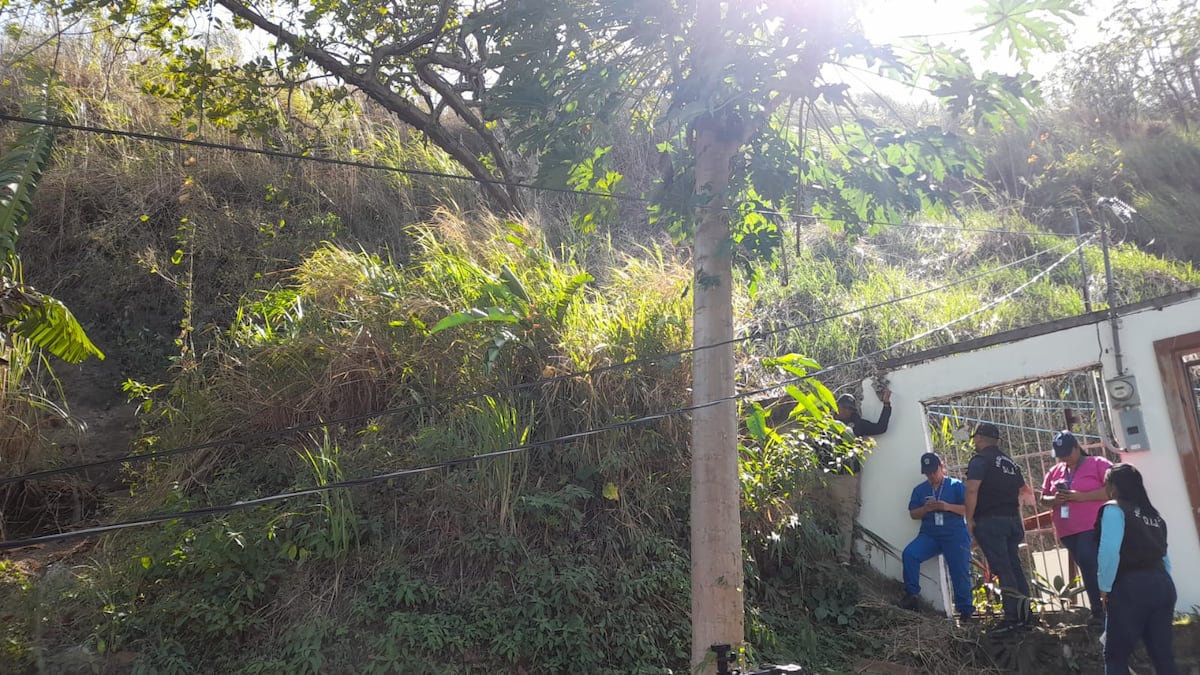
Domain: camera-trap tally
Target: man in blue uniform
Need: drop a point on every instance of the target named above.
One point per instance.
(939, 503)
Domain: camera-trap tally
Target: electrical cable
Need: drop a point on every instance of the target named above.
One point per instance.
(892, 301)
(616, 196)
(248, 438)
(931, 331)
(356, 482)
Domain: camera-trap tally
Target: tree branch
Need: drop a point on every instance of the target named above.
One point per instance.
(459, 105)
(405, 110)
(410, 46)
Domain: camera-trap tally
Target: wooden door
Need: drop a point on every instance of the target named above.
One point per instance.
(1179, 363)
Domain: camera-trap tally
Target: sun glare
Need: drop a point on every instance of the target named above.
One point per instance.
(888, 21)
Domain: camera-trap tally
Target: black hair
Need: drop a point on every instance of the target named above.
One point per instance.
(1130, 486)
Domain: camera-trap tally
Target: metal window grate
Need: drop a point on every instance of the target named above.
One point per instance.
(1028, 414)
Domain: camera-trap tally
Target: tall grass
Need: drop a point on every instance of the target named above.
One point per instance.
(323, 459)
(491, 426)
(29, 415)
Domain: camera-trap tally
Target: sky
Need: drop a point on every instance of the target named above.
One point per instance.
(949, 22)
(888, 21)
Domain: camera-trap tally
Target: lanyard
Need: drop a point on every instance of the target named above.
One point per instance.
(1064, 511)
(939, 518)
(1071, 474)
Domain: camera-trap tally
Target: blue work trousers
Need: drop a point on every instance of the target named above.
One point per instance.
(1084, 548)
(955, 546)
(999, 537)
(1141, 606)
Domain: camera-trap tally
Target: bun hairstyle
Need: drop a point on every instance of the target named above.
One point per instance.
(1130, 487)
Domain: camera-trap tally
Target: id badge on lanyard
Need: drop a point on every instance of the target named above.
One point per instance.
(1064, 511)
(939, 519)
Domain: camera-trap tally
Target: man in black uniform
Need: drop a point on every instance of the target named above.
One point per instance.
(995, 489)
(844, 486)
(847, 412)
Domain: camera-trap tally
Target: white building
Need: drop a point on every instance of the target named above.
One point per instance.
(1159, 344)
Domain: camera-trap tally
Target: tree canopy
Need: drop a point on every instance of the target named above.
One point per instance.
(505, 86)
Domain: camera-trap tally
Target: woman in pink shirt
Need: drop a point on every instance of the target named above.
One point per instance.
(1074, 490)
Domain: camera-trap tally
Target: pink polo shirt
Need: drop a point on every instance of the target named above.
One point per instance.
(1088, 476)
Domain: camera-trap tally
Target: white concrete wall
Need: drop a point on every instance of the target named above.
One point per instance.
(892, 471)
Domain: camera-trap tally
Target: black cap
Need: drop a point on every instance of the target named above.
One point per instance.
(987, 430)
(847, 401)
(1064, 443)
(930, 462)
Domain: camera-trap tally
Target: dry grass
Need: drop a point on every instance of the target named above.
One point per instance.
(925, 642)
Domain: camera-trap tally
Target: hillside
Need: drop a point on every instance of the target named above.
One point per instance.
(512, 563)
(274, 325)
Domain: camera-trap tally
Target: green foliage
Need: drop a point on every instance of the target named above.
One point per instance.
(45, 322)
(25, 313)
(341, 524)
(1142, 73)
(427, 63)
(534, 325)
(1054, 165)
(641, 311)
(564, 559)
(592, 175)
(1025, 26)
(16, 646)
(777, 465)
(569, 558)
(795, 588)
(21, 170)
(1056, 594)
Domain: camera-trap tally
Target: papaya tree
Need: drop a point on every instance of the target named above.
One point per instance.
(751, 102)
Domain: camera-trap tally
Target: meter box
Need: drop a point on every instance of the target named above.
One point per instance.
(1122, 391)
(1133, 430)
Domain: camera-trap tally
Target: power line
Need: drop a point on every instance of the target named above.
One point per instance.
(910, 296)
(617, 196)
(354, 482)
(248, 438)
(964, 317)
(212, 510)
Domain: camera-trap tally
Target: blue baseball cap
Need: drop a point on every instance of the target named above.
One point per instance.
(1064, 442)
(930, 462)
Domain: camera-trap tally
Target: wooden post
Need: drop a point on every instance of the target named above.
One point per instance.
(717, 604)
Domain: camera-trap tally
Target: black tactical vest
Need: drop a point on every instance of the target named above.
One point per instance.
(1145, 540)
(1000, 488)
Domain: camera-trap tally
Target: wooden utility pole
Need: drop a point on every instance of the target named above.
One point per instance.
(717, 605)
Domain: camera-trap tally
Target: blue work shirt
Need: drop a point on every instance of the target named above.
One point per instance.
(951, 491)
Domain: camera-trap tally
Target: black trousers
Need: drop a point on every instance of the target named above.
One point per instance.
(1141, 606)
(999, 537)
